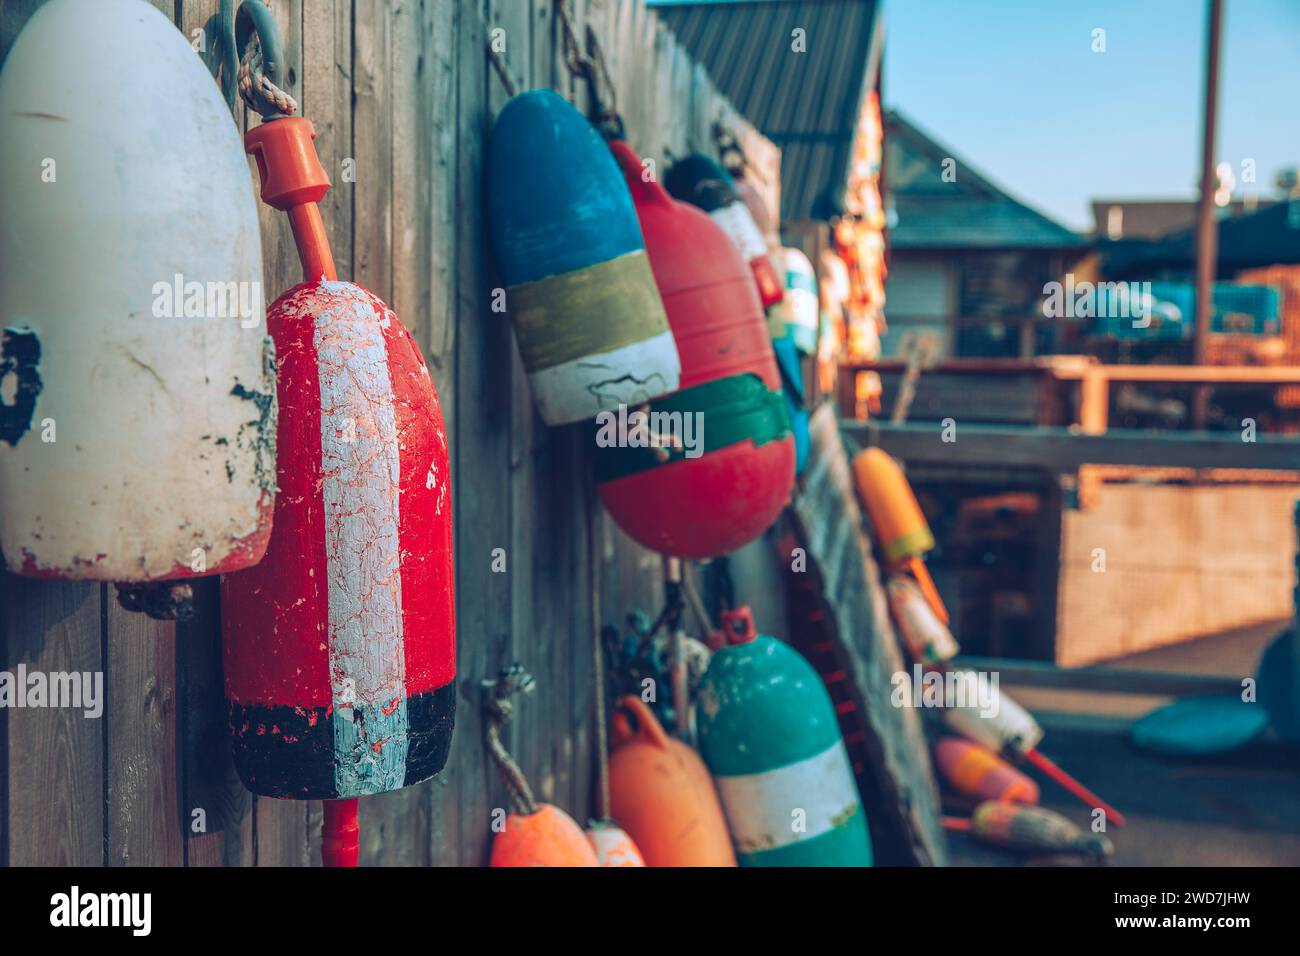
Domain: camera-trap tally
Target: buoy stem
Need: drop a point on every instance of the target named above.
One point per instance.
(313, 243)
(340, 833)
(1077, 789)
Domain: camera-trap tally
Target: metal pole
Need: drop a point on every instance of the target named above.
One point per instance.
(1207, 235)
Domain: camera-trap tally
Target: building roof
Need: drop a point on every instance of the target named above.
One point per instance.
(1152, 218)
(806, 103)
(963, 211)
(1268, 237)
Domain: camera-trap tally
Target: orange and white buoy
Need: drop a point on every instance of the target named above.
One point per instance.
(977, 772)
(612, 844)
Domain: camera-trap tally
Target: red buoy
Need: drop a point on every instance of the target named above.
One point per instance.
(702, 501)
(340, 645)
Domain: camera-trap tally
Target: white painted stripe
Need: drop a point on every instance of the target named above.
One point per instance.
(577, 390)
(737, 223)
(360, 467)
(762, 807)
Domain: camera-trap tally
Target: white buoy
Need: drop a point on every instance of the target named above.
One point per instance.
(137, 423)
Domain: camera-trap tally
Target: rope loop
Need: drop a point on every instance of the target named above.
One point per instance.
(260, 67)
(498, 708)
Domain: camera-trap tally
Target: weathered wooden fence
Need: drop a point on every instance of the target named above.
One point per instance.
(405, 90)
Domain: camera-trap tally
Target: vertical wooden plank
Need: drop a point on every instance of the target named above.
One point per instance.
(581, 669)
(214, 803)
(440, 22)
(480, 452)
(143, 794)
(515, 19)
(533, 640)
(55, 772)
(326, 85)
(438, 83)
(372, 144)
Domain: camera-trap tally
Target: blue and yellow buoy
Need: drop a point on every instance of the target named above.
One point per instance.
(588, 318)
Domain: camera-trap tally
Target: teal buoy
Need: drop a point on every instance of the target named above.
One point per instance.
(1276, 682)
(769, 736)
(1200, 726)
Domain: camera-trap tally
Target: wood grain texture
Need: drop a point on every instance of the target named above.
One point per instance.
(142, 761)
(401, 94)
(55, 755)
(481, 453)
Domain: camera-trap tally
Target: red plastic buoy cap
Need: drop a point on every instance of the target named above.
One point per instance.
(738, 625)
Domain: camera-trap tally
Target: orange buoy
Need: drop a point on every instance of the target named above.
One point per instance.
(895, 515)
(534, 834)
(979, 773)
(545, 837)
(612, 844)
(663, 796)
(900, 527)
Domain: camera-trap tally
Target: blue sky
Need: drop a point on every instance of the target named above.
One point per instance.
(1013, 87)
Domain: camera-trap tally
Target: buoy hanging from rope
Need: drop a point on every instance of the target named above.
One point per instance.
(700, 181)
(772, 741)
(340, 651)
(533, 834)
(661, 793)
(717, 462)
(587, 316)
(137, 421)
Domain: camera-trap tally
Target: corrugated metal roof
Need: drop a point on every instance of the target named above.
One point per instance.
(806, 103)
(968, 211)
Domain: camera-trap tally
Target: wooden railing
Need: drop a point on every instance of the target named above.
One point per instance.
(1067, 389)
